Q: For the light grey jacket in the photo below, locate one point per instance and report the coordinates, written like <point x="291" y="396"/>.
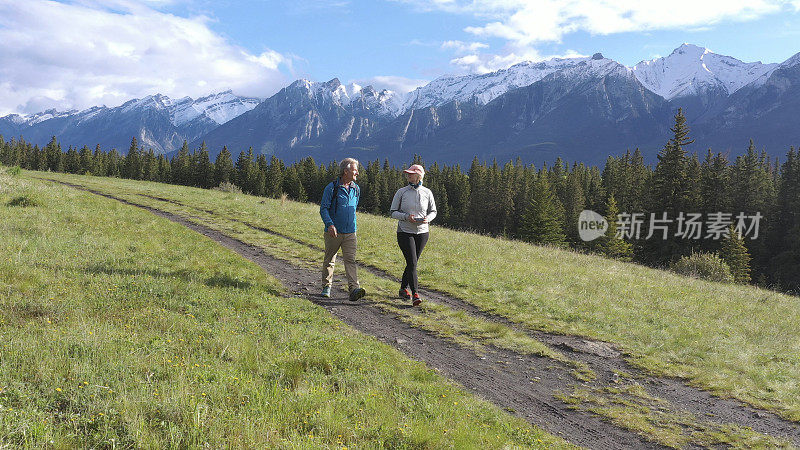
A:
<point x="418" y="202"/>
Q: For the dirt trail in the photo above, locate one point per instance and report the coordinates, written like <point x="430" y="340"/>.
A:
<point x="525" y="385"/>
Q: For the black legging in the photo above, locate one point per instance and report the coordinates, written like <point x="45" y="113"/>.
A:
<point x="411" y="244"/>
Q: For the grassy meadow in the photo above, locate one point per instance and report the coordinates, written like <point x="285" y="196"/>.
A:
<point x="735" y="340"/>
<point x="119" y="328"/>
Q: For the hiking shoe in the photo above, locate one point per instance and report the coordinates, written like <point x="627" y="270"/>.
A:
<point x="405" y="294"/>
<point x="357" y="293"/>
<point x="326" y="291"/>
<point x="416" y="300"/>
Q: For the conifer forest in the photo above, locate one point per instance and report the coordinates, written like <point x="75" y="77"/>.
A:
<point x="750" y="205"/>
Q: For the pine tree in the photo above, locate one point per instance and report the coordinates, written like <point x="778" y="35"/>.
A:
<point x="670" y="187"/>
<point x="670" y="194"/>
<point x="753" y="192"/>
<point x="223" y="167"/>
<point x="85" y="160"/>
<point x="694" y="186"/>
<point x="640" y="176"/>
<point x="274" y="181"/>
<point x="735" y="254"/>
<point x="204" y="170"/>
<point x="53" y="156"/>
<point x="714" y="182"/>
<point x="751" y="183"/>
<point x="784" y="233"/>
<point x="132" y="165"/>
<point x="181" y="166"/>
<point x="114" y="163"/>
<point x="611" y="245"/>
<point x="164" y="169"/>
<point x="477" y="200"/>
<point x="505" y="200"/>
<point x="72" y="161"/>
<point x="99" y="162"/>
<point x="292" y="185"/>
<point x="573" y="205"/>
<point x="150" y="166"/>
<point x="544" y="218"/>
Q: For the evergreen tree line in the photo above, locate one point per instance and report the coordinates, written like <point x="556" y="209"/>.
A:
<point x="518" y="201"/>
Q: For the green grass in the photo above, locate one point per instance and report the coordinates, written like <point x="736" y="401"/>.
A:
<point x="629" y="406"/>
<point x="738" y="341"/>
<point x="119" y="328"/>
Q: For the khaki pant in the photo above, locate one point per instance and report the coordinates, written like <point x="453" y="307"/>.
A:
<point x="347" y="241"/>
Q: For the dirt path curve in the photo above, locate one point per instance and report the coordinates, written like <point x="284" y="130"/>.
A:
<point x="522" y="384"/>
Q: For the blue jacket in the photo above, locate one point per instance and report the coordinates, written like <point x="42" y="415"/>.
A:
<point x="344" y="217"/>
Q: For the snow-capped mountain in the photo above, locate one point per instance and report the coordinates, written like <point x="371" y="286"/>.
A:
<point x="577" y="108"/>
<point x="157" y="121"/>
<point x="689" y="70"/>
<point x="305" y="115"/>
<point x="692" y="70"/>
<point x="485" y="88"/>
<point x="217" y="108"/>
<point x="385" y="102"/>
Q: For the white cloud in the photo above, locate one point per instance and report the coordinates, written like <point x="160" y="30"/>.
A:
<point x="400" y="85"/>
<point x="464" y="47"/>
<point x="76" y="55"/>
<point x="526" y="24"/>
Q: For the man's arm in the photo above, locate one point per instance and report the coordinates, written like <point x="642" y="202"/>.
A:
<point x="325" y="204"/>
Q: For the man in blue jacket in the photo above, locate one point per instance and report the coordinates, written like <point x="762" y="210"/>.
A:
<point x="338" y="212"/>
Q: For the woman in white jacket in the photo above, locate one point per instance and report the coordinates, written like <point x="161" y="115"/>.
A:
<point x="413" y="206"/>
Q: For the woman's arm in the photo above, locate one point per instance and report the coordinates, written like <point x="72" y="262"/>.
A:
<point x="396" y="212"/>
<point x="431" y="213"/>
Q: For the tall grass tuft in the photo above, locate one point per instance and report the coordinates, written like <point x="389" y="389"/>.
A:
<point x="227" y="186"/>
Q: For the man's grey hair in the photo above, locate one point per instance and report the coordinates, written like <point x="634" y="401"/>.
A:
<point x="345" y="164"/>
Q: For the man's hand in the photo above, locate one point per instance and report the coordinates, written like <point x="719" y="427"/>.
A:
<point x="412" y="219"/>
<point x="332" y="231"/>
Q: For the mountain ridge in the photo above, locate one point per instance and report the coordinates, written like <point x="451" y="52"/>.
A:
<point x="329" y="119"/>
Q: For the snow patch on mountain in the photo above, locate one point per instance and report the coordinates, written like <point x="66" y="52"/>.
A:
<point x="16" y="119"/>
<point x="691" y="70"/>
<point x="486" y="87"/>
<point x="33" y="119"/>
<point x="351" y="96"/>
<point x="793" y="61"/>
<point x="220" y="108"/>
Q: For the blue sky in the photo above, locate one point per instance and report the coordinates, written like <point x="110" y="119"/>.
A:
<point x="80" y="53"/>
